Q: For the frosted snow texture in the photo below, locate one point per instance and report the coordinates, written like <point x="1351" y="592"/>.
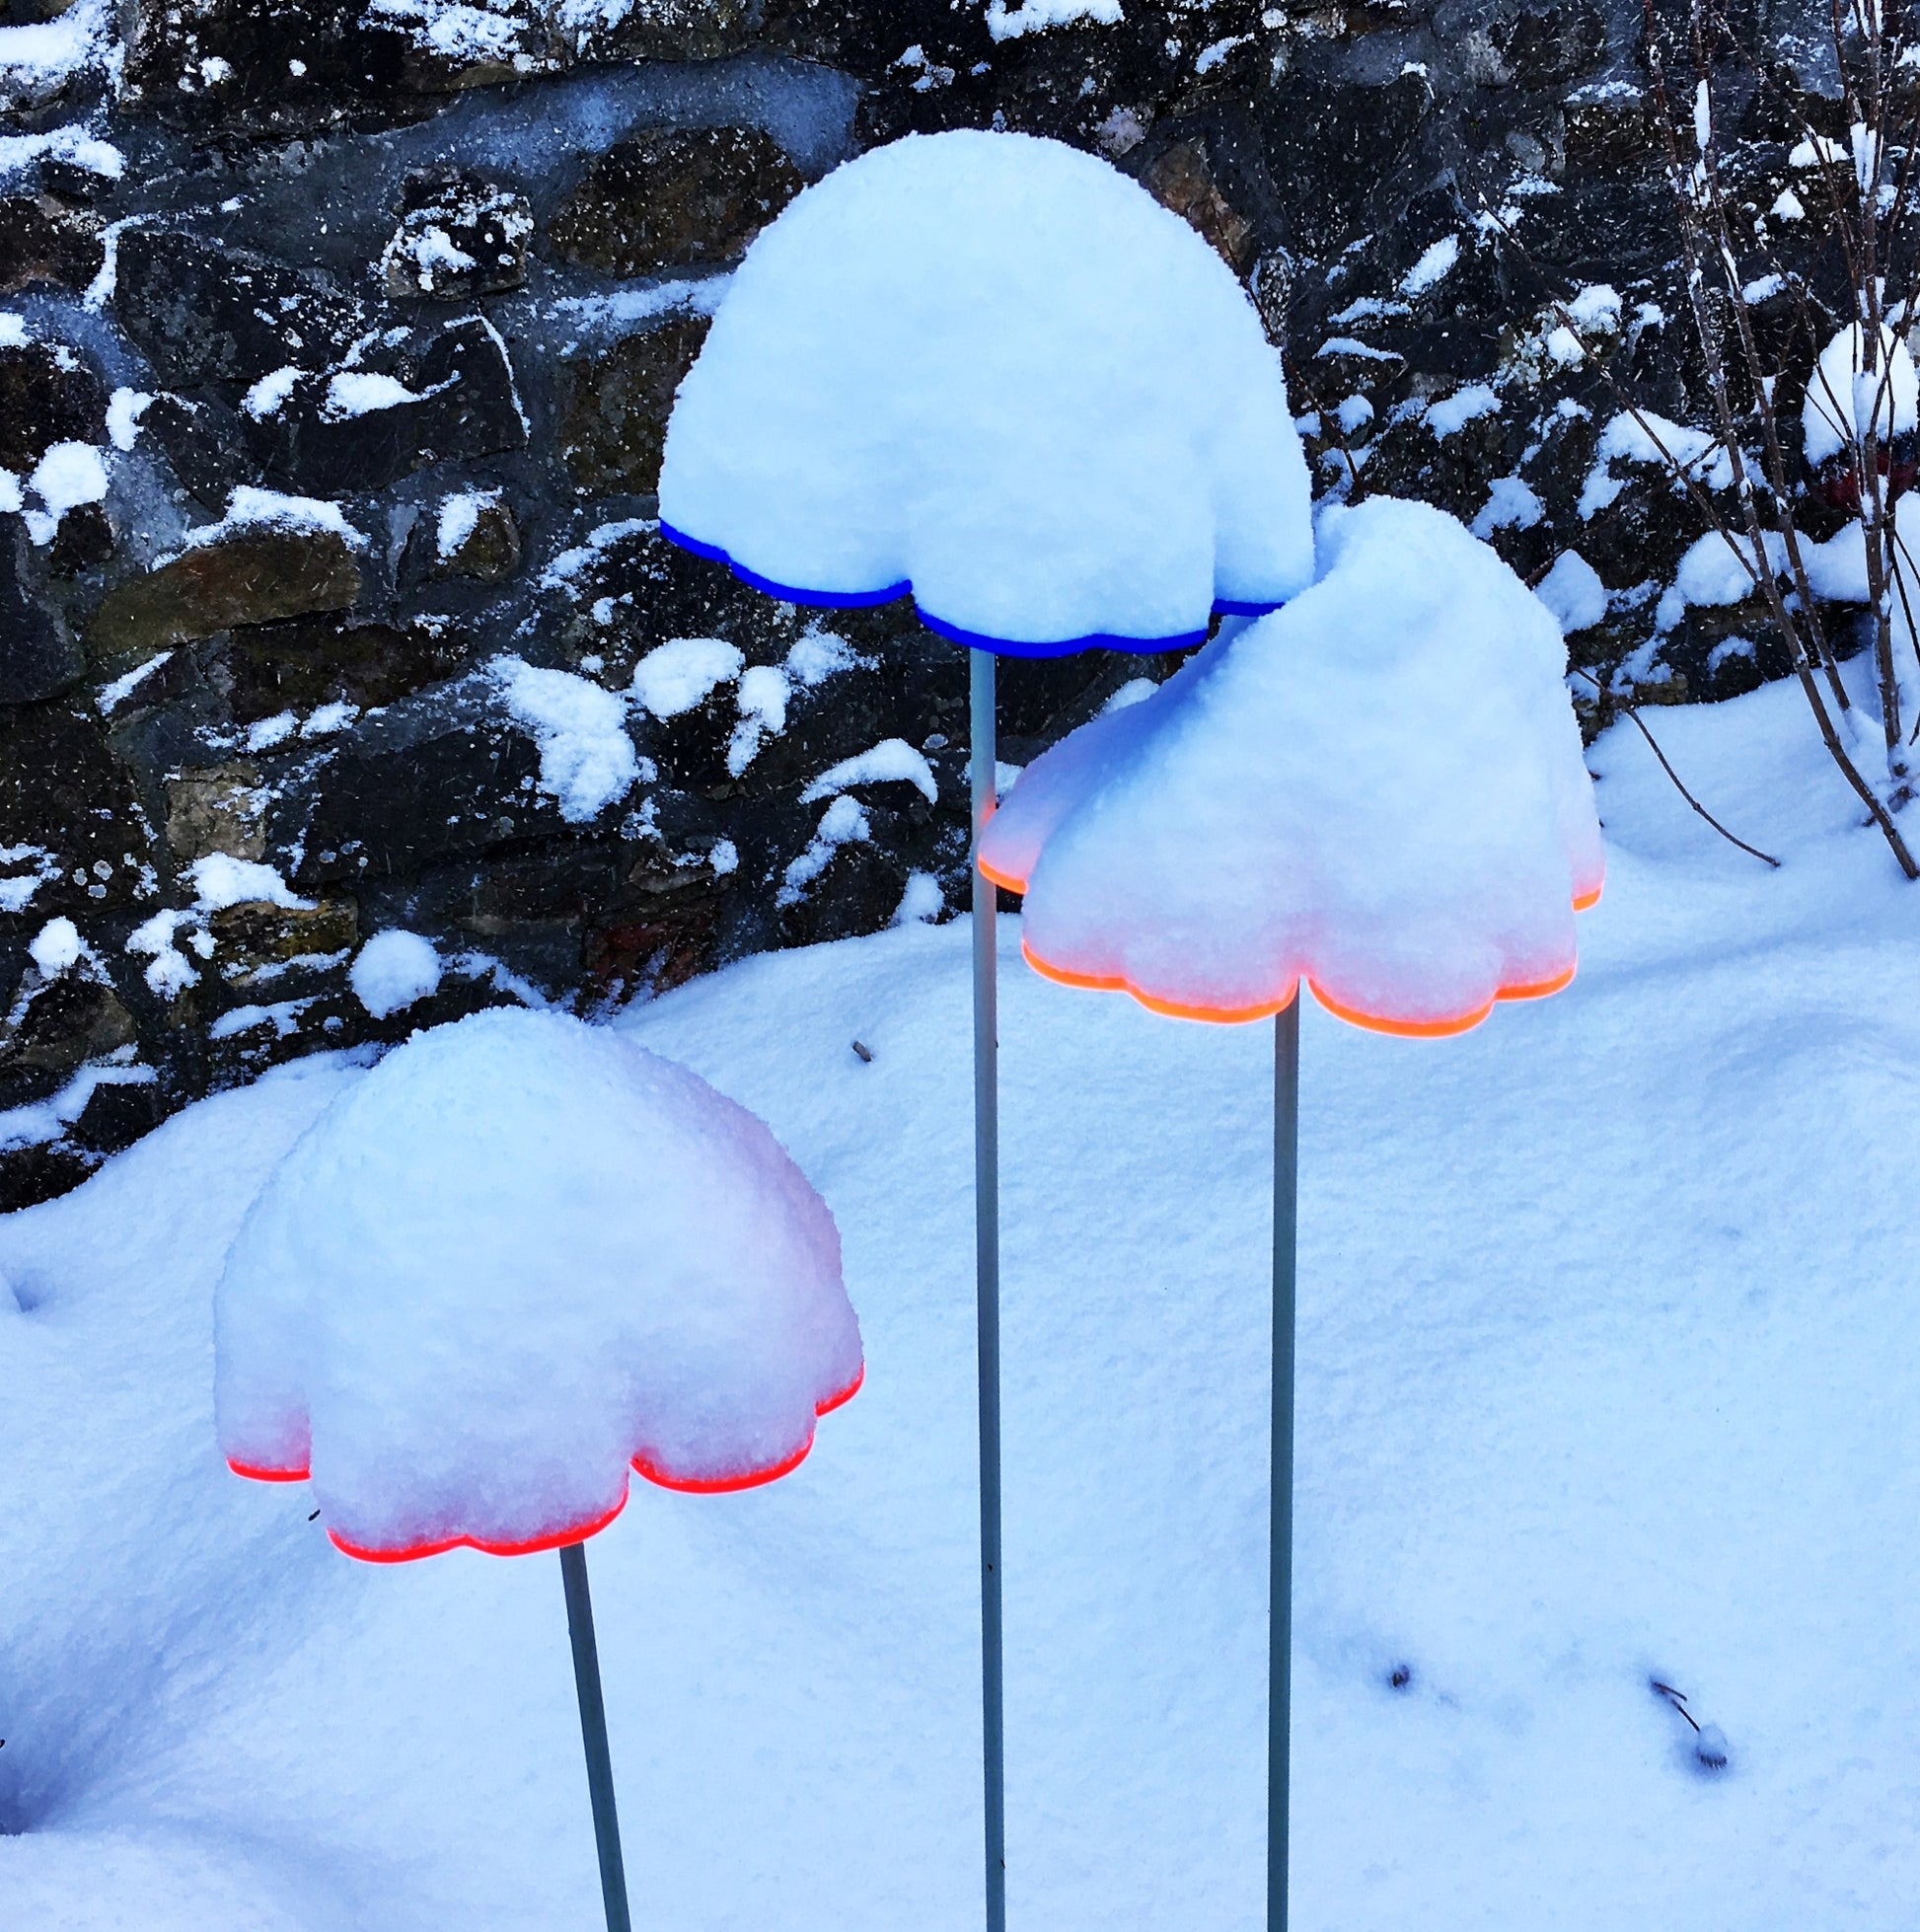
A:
<point x="1841" y="402"/>
<point x="1380" y="788"/>
<point x="993" y="371"/>
<point x="393" y="970"/>
<point x="523" y="1255"/>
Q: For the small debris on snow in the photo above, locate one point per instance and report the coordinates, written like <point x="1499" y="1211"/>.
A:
<point x="865" y="1052"/>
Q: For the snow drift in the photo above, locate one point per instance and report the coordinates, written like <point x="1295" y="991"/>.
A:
<point x="996" y="373"/>
<point x="521" y="1256"/>
<point x="1378" y="788"/>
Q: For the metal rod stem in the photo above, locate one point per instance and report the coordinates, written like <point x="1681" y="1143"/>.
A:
<point x="1279" y="1594"/>
<point x="593" y="1732"/>
<point x="987" y="1275"/>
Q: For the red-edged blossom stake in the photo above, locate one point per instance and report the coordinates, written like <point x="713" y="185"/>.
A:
<point x="520" y="1260"/>
<point x="992" y="374"/>
<point x="1377" y="791"/>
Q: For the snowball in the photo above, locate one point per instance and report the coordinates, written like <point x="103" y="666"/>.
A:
<point x="586" y="759"/>
<point x="995" y="372"/>
<point x="1572" y="591"/>
<point x="684" y="672"/>
<point x="518" y="1258"/>
<point x="393" y="970"/>
<point x="67" y="475"/>
<point x="1378" y="788"/>
<point x="1842" y="401"/>
<point x="56" y="948"/>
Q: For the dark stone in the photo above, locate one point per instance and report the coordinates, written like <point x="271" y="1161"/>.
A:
<point x="459" y="236"/>
<point x="203" y="444"/>
<point x="255" y="934"/>
<point x="441" y="776"/>
<point x="312" y="661"/>
<point x="464" y="405"/>
<point x="252" y="576"/>
<point x="191" y="63"/>
<point x="1331" y="148"/>
<point x="615" y="407"/>
<point x="47" y="396"/>
<point x="83" y="542"/>
<point x="64" y="1022"/>
<point x="39" y="657"/>
<point x="489" y="552"/>
<point x="43" y="240"/>
<point x="1550" y="40"/>
<point x="1180" y="177"/>
<point x="203" y="313"/>
<point x="65" y="796"/>
<point x="674" y="198"/>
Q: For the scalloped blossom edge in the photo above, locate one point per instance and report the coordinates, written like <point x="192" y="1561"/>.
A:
<point x="576" y="1532"/>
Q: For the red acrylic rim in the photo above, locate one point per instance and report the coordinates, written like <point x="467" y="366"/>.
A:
<point x="577" y="1533"/>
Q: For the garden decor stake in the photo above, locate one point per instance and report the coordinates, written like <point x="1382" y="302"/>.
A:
<point x="992" y="374"/>
<point x="415" y="1242"/>
<point x="1376" y="792"/>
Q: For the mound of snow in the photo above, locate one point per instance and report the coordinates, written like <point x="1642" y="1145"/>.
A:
<point x="393" y="971"/>
<point x="993" y="372"/>
<point x="521" y="1257"/>
<point x="1378" y="788"/>
<point x="1842" y="401"/>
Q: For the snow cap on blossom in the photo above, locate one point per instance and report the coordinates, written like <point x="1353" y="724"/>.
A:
<point x="1378" y="789"/>
<point x="520" y="1258"/>
<point x="993" y="372"/>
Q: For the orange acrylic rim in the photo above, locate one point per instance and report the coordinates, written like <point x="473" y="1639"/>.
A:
<point x="1413" y="1029"/>
<point x="574" y="1533"/>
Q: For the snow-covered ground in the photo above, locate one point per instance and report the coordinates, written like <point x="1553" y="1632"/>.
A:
<point x="1607" y="1372"/>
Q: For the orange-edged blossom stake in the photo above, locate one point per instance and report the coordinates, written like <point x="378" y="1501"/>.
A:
<point x="1377" y="791"/>
<point x="520" y="1259"/>
<point x="992" y="374"/>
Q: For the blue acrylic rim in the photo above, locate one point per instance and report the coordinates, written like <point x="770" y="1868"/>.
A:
<point x="853" y="600"/>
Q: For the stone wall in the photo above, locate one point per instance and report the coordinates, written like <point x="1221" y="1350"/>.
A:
<point x="337" y="344"/>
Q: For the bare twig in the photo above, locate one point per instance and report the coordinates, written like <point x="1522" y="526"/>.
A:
<point x="1666" y="765"/>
